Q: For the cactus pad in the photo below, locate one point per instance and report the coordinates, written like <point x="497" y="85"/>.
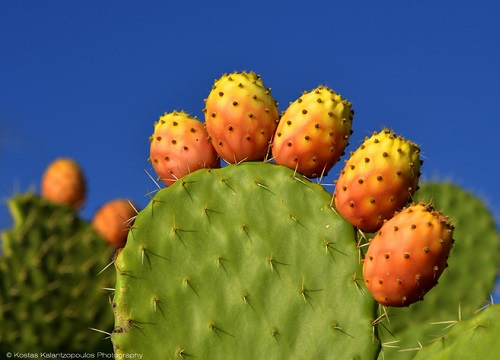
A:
<point x="476" y="338"/>
<point x="50" y="294"/>
<point x="248" y="261"/>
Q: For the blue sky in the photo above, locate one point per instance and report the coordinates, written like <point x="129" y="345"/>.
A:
<point x="87" y="79"/>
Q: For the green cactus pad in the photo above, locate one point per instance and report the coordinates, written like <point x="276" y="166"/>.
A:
<point x="464" y="287"/>
<point x="50" y="294"/>
<point x="244" y="262"/>
<point x="476" y="338"/>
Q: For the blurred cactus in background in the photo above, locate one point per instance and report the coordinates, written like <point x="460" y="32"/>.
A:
<point x="54" y="294"/>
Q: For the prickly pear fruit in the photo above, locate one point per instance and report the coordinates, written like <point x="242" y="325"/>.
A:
<point x="464" y="288"/>
<point x="408" y="255"/>
<point x="179" y="146"/>
<point x="63" y="182"/>
<point x="241" y="117"/>
<point x="379" y="179"/>
<point x="313" y="132"/>
<point x="113" y="220"/>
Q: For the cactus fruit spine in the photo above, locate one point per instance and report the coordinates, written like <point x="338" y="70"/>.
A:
<point x="247" y="261"/>
<point x="241" y="117"/>
<point x="179" y="145"/>
<point x="408" y="255"/>
<point x="379" y="178"/>
<point x="313" y="132"/>
<point x="63" y="182"/>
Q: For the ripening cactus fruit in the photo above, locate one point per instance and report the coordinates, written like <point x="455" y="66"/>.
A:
<point x="464" y="287"/>
<point x="408" y="255"/>
<point x="63" y="182"/>
<point x="113" y="220"/>
<point x="241" y="117"/>
<point x="243" y="262"/>
<point x="313" y="132"/>
<point x="378" y="179"/>
<point x="180" y="145"/>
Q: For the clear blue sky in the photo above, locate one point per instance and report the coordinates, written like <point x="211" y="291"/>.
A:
<point x="87" y="79"/>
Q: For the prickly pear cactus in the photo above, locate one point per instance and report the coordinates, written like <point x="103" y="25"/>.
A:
<point x="476" y="338"/>
<point x="464" y="286"/>
<point x="245" y="262"/>
<point x="50" y="293"/>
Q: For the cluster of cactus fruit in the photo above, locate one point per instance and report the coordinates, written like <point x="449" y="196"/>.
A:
<point x="253" y="258"/>
<point x="379" y="179"/>
<point x="52" y="289"/>
<point x="249" y="258"/>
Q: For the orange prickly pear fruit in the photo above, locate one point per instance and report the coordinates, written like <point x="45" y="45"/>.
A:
<point x="113" y="220"/>
<point x="63" y="182"/>
<point x="313" y="132"/>
<point x="241" y="117"/>
<point x="179" y="146"/>
<point x="408" y="255"/>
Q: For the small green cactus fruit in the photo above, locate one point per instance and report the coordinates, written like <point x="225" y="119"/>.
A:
<point x="476" y="338"/>
<point x="408" y="255"/>
<point x="50" y="292"/>
<point x="378" y="179"/>
<point x="313" y="132"/>
<point x="63" y="182"/>
<point x="180" y="145"/>
<point x="464" y="287"/>
<point x="241" y="117"/>
<point x="113" y="220"/>
<point x="244" y="262"/>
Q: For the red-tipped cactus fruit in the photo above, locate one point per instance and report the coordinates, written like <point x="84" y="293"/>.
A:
<point x="179" y="146"/>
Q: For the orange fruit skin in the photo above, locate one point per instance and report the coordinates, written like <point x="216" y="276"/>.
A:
<point x="63" y="182"/>
<point x="179" y="146"/>
<point x="408" y="255"/>
<point x="313" y="132"/>
<point x="378" y="179"/>
<point x="113" y="220"/>
<point x="241" y="117"/>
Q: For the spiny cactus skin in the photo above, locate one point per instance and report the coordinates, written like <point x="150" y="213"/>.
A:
<point x="241" y="117"/>
<point x="379" y="178"/>
<point x="313" y="132"/>
<point x="476" y="338"/>
<point x="408" y="255"/>
<point x="50" y="294"/>
<point x="63" y="182"/>
<point x="244" y="262"/>
<point x="464" y="287"/>
<point x="113" y="220"/>
<point x="180" y="145"/>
